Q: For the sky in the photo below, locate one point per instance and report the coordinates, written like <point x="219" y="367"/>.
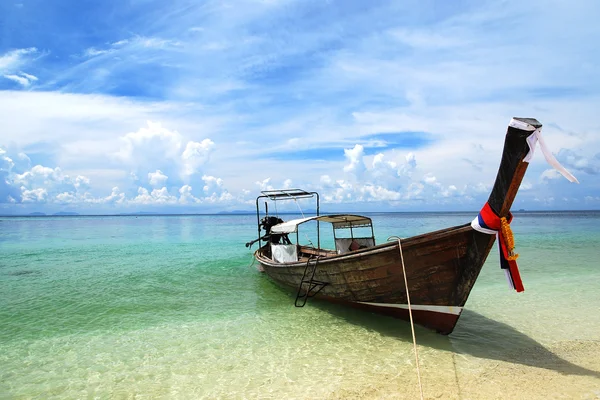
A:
<point x="196" y="106"/>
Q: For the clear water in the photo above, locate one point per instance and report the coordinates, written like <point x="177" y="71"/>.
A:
<point x="171" y="307"/>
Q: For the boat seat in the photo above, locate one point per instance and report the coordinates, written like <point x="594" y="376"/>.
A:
<point x="342" y="245"/>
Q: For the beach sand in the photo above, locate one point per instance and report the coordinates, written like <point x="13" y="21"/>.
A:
<point x="565" y="370"/>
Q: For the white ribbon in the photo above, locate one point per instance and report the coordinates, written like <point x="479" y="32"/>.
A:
<point x="535" y="137"/>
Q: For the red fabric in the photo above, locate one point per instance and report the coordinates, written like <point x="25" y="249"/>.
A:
<point x="493" y="221"/>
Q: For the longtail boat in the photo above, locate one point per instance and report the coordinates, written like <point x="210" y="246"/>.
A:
<point x="441" y="267"/>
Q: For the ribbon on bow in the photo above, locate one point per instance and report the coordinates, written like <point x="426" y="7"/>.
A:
<point x="489" y="222"/>
<point x="532" y="140"/>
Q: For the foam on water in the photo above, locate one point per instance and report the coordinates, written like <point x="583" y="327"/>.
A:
<point x="169" y="307"/>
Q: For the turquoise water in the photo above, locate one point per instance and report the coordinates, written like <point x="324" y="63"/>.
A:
<point x="172" y="307"/>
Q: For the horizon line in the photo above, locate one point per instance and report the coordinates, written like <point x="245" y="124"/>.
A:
<point x="226" y="213"/>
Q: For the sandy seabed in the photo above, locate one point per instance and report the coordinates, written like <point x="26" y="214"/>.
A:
<point x="566" y="370"/>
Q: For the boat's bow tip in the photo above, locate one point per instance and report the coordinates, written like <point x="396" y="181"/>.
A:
<point x="530" y="121"/>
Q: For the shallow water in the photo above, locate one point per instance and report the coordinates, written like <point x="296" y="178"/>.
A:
<point x="170" y="306"/>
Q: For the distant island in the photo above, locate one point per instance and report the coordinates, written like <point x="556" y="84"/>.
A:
<point x="37" y="214"/>
<point x="65" y="213"/>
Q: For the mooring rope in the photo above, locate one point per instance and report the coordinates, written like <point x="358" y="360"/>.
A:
<point x="412" y="325"/>
<point x="253" y="261"/>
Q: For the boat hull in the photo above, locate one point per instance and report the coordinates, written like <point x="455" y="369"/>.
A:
<point x="441" y="269"/>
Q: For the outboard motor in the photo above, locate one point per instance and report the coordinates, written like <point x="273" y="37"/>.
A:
<point x="267" y="223"/>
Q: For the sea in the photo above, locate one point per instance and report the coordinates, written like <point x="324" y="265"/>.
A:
<point x="157" y="307"/>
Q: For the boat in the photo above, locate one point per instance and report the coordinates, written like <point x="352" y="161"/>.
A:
<point x="440" y="268"/>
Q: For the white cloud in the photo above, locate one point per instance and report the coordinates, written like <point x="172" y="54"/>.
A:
<point x="195" y="155"/>
<point x="14" y="59"/>
<point x="325" y="180"/>
<point x="66" y="198"/>
<point x="38" y="195"/>
<point x="186" y="196"/>
<point x="6" y="163"/>
<point x="82" y="182"/>
<point x="550" y="174"/>
<point x="155" y="197"/>
<point x="355" y="156"/>
<point x="265" y="184"/>
<point x="212" y="184"/>
<point x="150" y="144"/>
<point x="156" y="146"/>
<point x="115" y="197"/>
<point x="157" y="178"/>
<point x="21" y="80"/>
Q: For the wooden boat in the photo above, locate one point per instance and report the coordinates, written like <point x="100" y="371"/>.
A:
<point x="441" y="267"/>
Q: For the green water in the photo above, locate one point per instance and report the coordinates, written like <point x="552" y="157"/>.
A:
<point x="171" y="307"/>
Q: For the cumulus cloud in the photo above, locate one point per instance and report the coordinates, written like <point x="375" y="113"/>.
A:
<point x="66" y="198"/>
<point x="389" y="177"/>
<point x="264" y="184"/>
<point x="6" y="163"/>
<point x="82" y="182"/>
<point x="115" y="197"/>
<point x="9" y="192"/>
<point x="45" y="185"/>
<point x="38" y="195"/>
<point x="155" y="197"/>
<point x="157" y="178"/>
<point x="20" y="183"/>
<point x="212" y="184"/>
<point x="195" y="155"/>
<point x="42" y="184"/>
<point x="156" y="148"/>
<point x="186" y="196"/>
<point x="150" y="144"/>
<point x="355" y="156"/>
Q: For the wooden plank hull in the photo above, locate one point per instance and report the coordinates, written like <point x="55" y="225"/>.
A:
<point x="441" y="269"/>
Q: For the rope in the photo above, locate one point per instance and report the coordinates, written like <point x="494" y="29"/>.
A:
<point x="253" y="261"/>
<point x="296" y="201"/>
<point x="301" y="212"/>
<point x="412" y="325"/>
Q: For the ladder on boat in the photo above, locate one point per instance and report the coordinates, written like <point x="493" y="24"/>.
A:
<point x="309" y="286"/>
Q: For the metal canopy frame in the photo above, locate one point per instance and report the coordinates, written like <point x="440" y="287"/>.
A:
<point x="288" y="194"/>
<point x="285" y="194"/>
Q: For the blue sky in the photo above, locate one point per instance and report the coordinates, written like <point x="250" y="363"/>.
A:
<point x="190" y="106"/>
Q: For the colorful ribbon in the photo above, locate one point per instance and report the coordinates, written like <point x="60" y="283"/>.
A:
<point x="489" y="222"/>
